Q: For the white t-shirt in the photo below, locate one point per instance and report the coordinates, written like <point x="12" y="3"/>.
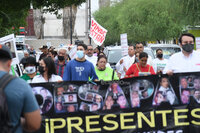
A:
<point x="40" y="79"/>
<point x="127" y="62"/>
<point x="180" y="63"/>
<point x="92" y="59"/>
<point x="159" y="64"/>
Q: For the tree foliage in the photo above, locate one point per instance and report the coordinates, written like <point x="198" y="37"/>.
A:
<point x="14" y="12"/>
<point x="143" y="20"/>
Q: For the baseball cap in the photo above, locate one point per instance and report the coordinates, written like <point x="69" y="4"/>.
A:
<point x="43" y="47"/>
<point x="5" y="52"/>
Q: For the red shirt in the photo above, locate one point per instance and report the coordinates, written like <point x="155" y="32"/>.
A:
<point x="134" y="70"/>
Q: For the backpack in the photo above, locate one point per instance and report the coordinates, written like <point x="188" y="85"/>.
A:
<point x="5" y="124"/>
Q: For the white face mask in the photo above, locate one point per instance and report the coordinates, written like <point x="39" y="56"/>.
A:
<point x="30" y="69"/>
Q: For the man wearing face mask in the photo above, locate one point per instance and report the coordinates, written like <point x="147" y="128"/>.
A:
<point x="188" y="60"/>
<point x="159" y="63"/>
<point x="61" y="62"/>
<point x="30" y="66"/>
<point x="80" y="69"/>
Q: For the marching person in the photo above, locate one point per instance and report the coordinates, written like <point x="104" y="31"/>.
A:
<point x="141" y="68"/>
<point x="30" y="67"/>
<point x="187" y="60"/>
<point x="159" y="63"/>
<point x="80" y="69"/>
<point x="89" y="55"/>
<point x="47" y="71"/>
<point x="124" y="64"/>
<point x="61" y="62"/>
<point x="23" y="108"/>
<point x="103" y="72"/>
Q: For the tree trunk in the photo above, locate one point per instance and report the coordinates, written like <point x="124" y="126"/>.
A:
<point x="66" y="21"/>
<point x="39" y="21"/>
<point x="104" y="3"/>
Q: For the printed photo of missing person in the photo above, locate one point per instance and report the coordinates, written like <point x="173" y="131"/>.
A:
<point x="72" y="107"/>
<point x="95" y="88"/>
<point x="115" y="89"/>
<point x="70" y="98"/>
<point x="185" y="96"/>
<point x="159" y="98"/>
<point x="122" y="102"/>
<point x="98" y="99"/>
<point x="94" y="107"/>
<point x="89" y="96"/>
<point x="167" y="91"/>
<point x="59" y="108"/>
<point x="108" y="103"/>
<point x="71" y="88"/>
<point x="46" y="98"/>
<point x="134" y="98"/>
<point x="84" y="107"/>
<point x="83" y="89"/>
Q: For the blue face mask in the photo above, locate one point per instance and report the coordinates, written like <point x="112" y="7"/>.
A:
<point x="80" y="54"/>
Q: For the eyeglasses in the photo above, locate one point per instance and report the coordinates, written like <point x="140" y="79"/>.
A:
<point x="89" y="49"/>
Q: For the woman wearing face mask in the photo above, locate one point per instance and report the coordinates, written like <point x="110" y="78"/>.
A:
<point x="47" y="72"/>
<point x="30" y="68"/>
<point x="141" y="68"/>
<point x="103" y="72"/>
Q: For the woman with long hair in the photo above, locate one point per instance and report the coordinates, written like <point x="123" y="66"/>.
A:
<point x="47" y="71"/>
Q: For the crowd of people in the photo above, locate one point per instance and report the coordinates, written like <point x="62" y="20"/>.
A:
<point x="91" y="65"/>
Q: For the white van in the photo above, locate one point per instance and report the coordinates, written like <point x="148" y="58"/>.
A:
<point x="168" y="49"/>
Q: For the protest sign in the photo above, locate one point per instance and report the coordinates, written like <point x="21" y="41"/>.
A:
<point x="9" y="41"/>
<point x="124" y="44"/>
<point x="140" y="105"/>
<point x="97" y="32"/>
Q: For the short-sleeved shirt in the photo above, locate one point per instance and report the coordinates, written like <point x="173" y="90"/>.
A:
<point x="20" y="100"/>
<point x="178" y="62"/>
<point x="79" y="71"/>
<point x="106" y="75"/>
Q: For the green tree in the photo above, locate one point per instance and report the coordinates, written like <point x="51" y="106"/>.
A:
<point x="14" y="12"/>
<point x="142" y="20"/>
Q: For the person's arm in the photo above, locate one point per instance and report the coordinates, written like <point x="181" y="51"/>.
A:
<point x="67" y="73"/>
<point x="152" y="70"/>
<point x="31" y="121"/>
<point x="93" y="74"/>
<point x="169" y="67"/>
<point x="129" y="72"/>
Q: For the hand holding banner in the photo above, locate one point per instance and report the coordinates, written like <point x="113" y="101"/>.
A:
<point x="97" y="32"/>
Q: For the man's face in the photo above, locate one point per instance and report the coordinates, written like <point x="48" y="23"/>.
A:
<point x="26" y="54"/>
<point x="81" y="49"/>
<point x="159" y="52"/>
<point x="184" y="83"/>
<point x="90" y="51"/>
<point x="197" y="83"/>
<point x="187" y="40"/>
<point x="60" y="91"/>
<point x="59" y="106"/>
<point x="63" y="52"/>
<point x="71" y="108"/>
<point x="197" y="94"/>
<point x="70" y="98"/>
<point x="139" y="47"/>
<point x="185" y="96"/>
<point x="131" y="51"/>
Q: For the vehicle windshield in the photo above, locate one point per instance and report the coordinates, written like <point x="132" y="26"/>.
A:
<point x="167" y="51"/>
<point x="114" y="55"/>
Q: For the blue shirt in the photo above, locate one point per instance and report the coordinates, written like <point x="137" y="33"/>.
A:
<point x="20" y="99"/>
<point x="79" y="71"/>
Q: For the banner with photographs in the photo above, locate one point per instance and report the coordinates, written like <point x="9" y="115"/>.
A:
<point x="156" y="104"/>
